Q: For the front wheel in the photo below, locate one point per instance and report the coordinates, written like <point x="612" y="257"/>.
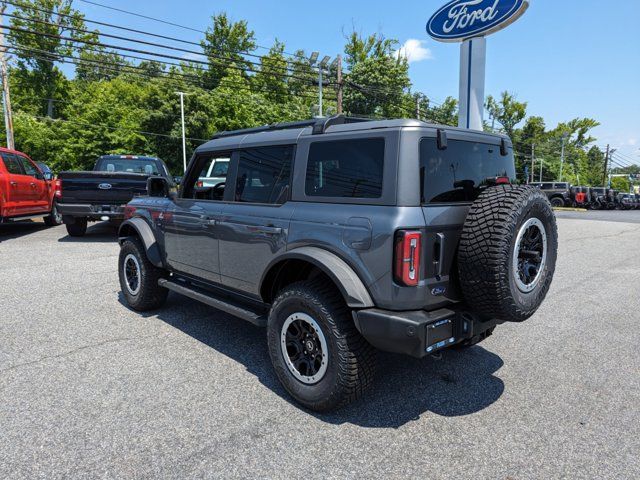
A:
<point x="318" y="355"/>
<point x="139" y="277"/>
<point x="557" y="202"/>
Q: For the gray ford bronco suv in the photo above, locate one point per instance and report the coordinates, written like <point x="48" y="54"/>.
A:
<point x="343" y="236"/>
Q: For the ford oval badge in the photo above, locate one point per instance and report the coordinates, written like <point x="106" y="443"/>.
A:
<point x="438" y="291"/>
<point x="104" y="186"/>
<point x="463" y="19"/>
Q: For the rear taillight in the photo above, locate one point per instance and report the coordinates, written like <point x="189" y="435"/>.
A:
<point x="406" y="269"/>
<point x="58" y="188"/>
<point x="129" y="211"/>
<point x="199" y="183"/>
<point x="503" y="180"/>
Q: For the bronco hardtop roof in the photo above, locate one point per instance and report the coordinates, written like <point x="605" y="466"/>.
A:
<point x="292" y="131"/>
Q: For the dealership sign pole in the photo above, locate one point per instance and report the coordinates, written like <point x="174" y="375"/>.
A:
<point x="469" y="22"/>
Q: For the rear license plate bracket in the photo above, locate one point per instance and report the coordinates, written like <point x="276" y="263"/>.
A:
<point x="439" y="335"/>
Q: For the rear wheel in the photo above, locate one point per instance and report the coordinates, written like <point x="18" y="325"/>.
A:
<point x="318" y="354"/>
<point x="508" y="251"/>
<point x="54" y="218"/>
<point x="139" y="277"/>
<point x="78" y="228"/>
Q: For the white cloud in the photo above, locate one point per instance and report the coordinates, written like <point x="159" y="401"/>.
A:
<point x="414" y="50"/>
<point x="632" y="142"/>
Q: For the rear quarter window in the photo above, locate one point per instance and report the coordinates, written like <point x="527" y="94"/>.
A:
<point x="346" y="168"/>
<point x="462" y="170"/>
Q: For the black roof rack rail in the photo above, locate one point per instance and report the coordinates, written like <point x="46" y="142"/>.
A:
<point x="319" y="125"/>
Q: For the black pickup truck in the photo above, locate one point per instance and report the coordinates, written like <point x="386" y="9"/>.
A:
<point x="102" y="194"/>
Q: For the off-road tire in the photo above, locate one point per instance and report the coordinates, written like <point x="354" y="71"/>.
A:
<point x="351" y="359"/>
<point x="150" y="295"/>
<point x="487" y="245"/>
<point x="557" y="202"/>
<point x="78" y="228"/>
<point x="54" y="218"/>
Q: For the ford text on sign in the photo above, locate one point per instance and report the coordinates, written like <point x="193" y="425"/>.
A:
<point x="462" y="19"/>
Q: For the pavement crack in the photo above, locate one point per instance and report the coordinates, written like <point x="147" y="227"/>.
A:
<point x="68" y="353"/>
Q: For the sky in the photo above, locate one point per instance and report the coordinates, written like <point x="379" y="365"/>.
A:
<point x="566" y="59"/>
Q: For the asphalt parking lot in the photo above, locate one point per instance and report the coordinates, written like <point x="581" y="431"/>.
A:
<point x="91" y="389"/>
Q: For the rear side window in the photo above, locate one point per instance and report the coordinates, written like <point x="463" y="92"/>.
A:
<point x="462" y="170"/>
<point x="346" y="168"/>
<point x="12" y="164"/>
<point x="264" y="175"/>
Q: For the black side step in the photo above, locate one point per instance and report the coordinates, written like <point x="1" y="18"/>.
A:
<point x="220" y="303"/>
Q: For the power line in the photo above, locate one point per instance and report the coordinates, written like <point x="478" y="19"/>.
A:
<point x="227" y="60"/>
<point x="128" y="29"/>
<point x="142" y="72"/>
<point x="166" y="22"/>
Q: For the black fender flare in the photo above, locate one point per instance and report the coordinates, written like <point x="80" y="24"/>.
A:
<point x="346" y="279"/>
<point x="144" y="232"/>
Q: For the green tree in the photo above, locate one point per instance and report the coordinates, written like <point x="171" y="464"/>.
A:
<point x="445" y="114"/>
<point x="507" y="111"/>
<point x="621" y="183"/>
<point x="378" y="83"/>
<point x="38" y="46"/>
<point x="225" y="44"/>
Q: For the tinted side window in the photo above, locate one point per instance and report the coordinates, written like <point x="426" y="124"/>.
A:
<point x="547" y="186"/>
<point x="346" y="168"/>
<point x="12" y="164"/>
<point x="462" y="170"/>
<point x="29" y="168"/>
<point x="264" y="175"/>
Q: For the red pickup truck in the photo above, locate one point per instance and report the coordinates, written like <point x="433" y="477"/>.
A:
<point x="25" y="191"/>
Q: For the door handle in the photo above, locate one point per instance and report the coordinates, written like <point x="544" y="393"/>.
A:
<point x="33" y="185"/>
<point x="13" y="184"/>
<point x="267" y="230"/>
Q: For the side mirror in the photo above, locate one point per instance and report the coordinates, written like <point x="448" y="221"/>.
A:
<point x="157" y="187"/>
<point x="48" y="176"/>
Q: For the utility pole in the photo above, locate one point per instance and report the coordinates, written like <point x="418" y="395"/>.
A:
<point x="184" y="139"/>
<point x="6" y="97"/>
<point x="541" y="164"/>
<point x="606" y="167"/>
<point x="320" y="107"/>
<point x="340" y="84"/>
<point x="564" y="138"/>
<point x="533" y="162"/>
<point x="418" y="106"/>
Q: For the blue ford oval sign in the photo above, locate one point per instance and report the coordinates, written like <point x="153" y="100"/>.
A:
<point x="462" y="19"/>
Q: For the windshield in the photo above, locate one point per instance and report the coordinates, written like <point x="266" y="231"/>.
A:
<point x="128" y="165"/>
<point x="458" y="173"/>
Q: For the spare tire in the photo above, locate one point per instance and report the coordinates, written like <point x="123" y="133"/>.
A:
<point x="508" y="250"/>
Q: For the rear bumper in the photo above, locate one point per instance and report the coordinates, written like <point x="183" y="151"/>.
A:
<point x="93" y="212"/>
<point x="409" y="332"/>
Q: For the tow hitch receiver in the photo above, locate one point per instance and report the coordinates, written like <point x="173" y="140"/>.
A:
<point x="439" y="335"/>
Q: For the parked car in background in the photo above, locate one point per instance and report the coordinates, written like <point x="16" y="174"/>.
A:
<point x="25" y="190"/>
<point x="103" y="193"/>
<point x="214" y="173"/>
<point x="342" y="236"/>
<point x="598" y="198"/>
<point x="558" y="193"/>
<point x="626" y="201"/>
<point x="580" y="196"/>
